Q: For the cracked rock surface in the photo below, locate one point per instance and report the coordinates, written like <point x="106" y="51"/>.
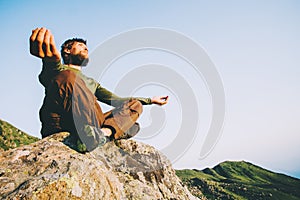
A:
<point x="125" y="169"/>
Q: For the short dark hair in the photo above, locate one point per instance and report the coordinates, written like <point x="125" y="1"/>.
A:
<point x="68" y="45"/>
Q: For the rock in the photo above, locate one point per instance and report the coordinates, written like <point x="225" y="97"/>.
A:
<point x="125" y="169"/>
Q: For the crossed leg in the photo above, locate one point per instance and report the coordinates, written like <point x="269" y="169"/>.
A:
<point x="122" y="120"/>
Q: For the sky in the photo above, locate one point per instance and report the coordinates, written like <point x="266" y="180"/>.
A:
<point x="253" y="45"/>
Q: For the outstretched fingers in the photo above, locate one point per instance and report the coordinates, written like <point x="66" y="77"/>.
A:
<point x="160" y="100"/>
<point x="164" y="100"/>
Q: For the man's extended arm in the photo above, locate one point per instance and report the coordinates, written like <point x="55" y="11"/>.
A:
<point x="42" y="45"/>
<point x="110" y="98"/>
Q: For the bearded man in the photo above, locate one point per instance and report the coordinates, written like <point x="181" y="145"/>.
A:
<point x="70" y="102"/>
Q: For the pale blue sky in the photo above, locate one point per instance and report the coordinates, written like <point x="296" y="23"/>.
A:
<point x="254" y="44"/>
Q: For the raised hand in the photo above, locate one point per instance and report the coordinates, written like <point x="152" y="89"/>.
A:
<point x="160" y="100"/>
<point x="42" y="45"/>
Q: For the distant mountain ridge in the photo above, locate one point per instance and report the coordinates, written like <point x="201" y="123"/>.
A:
<point x="240" y="180"/>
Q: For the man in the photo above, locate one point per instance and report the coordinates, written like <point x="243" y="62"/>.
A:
<point x="70" y="102"/>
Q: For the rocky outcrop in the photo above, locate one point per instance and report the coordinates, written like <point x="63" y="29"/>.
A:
<point x="126" y="169"/>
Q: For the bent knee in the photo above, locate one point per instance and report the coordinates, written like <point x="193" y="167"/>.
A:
<point x="136" y="106"/>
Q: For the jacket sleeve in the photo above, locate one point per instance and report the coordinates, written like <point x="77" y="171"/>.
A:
<point x="49" y="70"/>
<point x="110" y="98"/>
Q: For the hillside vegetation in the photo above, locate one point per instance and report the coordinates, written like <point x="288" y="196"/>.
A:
<point x="11" y="137"/>
<point x="240" y="180"/>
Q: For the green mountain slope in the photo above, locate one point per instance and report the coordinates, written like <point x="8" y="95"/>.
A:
<point x="11" y="137"/>
<point x="240" y="180"/>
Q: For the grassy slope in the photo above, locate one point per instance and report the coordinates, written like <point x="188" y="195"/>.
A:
<point x="11" y="137"/>
<point x="241" y="180"/>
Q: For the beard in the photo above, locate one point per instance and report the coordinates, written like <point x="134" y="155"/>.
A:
<point x="79" y="60"/>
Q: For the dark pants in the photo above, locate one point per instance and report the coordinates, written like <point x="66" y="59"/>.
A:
<point x="70" y="106"/>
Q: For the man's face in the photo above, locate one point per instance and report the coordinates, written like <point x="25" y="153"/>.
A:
<point x="79" y="54"/>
